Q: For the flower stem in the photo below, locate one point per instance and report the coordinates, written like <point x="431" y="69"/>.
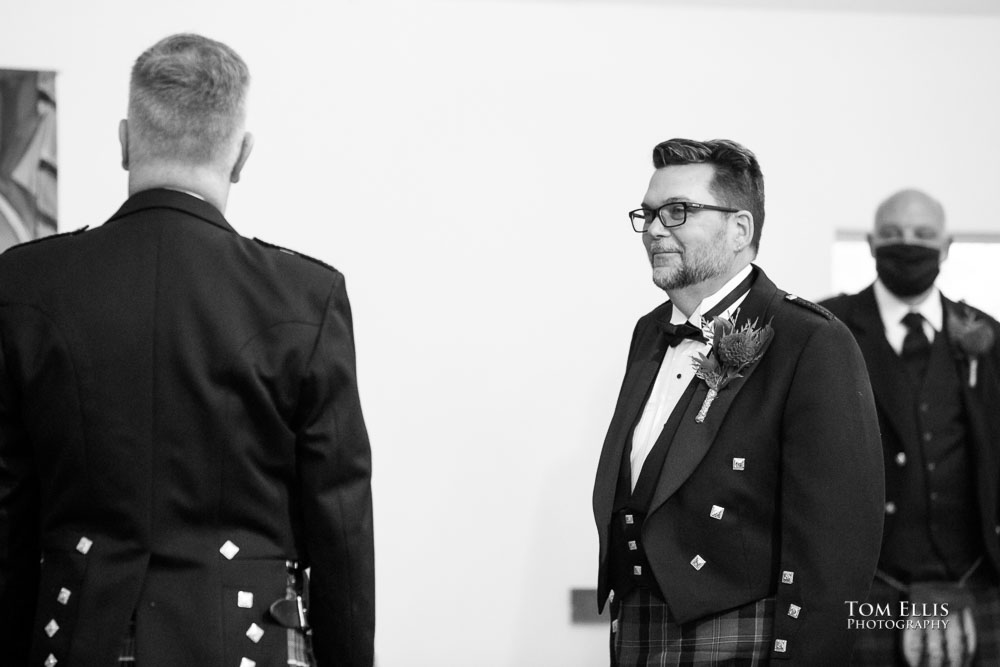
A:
<point x="973" y="371"/>
<point x="712" y="393"/>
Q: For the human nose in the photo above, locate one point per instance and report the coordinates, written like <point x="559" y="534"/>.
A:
<point x="657" y="228"/>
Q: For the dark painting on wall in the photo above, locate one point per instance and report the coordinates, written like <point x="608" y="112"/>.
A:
<point x="27" y="156"/>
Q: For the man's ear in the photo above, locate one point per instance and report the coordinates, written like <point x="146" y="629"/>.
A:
<point x="945" y="247"/>
<point x="123" y="140"/>
<point x="246" y="146"/>
<point x="744" y="229"/>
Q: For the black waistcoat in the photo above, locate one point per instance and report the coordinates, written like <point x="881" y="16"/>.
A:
<point x="936" y="533"/>
<point x="628" y="566"/>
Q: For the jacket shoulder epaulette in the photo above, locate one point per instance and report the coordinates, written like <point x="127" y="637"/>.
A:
<point x="809" y="305"/>
<point x="294" y="253"/>
<point x="49" y="238"/>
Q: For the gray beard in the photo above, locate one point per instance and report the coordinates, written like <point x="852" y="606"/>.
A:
<point x="686" y="276"/>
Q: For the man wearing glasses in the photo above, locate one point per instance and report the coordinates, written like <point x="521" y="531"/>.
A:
<point x="739" y="492"/>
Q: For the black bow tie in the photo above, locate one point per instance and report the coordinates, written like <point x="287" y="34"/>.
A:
<point x="675" y="333"/>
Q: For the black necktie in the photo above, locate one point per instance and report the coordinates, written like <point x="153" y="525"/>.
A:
<point x="916" y="348"/>
<point x="673" y="334"/>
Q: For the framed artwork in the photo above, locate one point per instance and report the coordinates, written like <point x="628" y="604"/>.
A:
<point x="28" y="203"/>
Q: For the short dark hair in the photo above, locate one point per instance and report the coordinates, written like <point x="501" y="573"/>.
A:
<point x="187" y="96"/>
<point x="738" y="181"/>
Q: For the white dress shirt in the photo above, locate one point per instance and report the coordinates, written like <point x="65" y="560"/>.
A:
<point x="893" y="310"/>
<point x="675" y="374"/>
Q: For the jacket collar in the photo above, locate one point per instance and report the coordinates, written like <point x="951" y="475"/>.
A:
<point x="173" y="200"/>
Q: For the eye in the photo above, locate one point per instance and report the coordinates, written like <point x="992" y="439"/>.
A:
<point x="890" y="232"/>
<point x="675" y="211"/>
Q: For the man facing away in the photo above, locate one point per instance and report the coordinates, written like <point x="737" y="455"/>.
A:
<point x="738" y="506"/>
<point x="935" y="372"/>
<point x="180" y="429"/>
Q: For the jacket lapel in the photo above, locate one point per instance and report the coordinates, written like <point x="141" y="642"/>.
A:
<point x="692" y="440"/>
<point x="976" y="404"/>
<point x="890" y="383"/>
<point x="639" y="378"/>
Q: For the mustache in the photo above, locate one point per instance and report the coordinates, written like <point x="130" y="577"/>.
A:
<point x="659" y="246"/>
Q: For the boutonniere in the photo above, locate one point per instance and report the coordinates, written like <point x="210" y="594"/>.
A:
<point x="733" y="349"/>
<point x="971" y="335"/>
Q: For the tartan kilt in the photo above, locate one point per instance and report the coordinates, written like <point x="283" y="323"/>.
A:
<point x="299" y="653"/>
<point x="644" y="634"/>
<point x="881" y="647"/>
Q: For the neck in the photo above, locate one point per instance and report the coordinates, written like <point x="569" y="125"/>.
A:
<point x="203" y="180"/>
<point x="686" y="299"/>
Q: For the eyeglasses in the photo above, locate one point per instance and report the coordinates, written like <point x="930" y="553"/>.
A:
<point x="671" y="214"/>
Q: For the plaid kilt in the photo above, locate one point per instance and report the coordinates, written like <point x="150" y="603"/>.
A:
<point x="881" y="647"/>
<point x="644" y="634"/>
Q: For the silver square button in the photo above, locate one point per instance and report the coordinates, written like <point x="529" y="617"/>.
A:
<point x="229" y="550"/>
<point x="255" y="632"/>
<point x="83" y="546"/>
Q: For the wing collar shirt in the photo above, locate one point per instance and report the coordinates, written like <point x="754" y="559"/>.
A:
<point x="676" y="372"/>
<point x="893" y="310"/>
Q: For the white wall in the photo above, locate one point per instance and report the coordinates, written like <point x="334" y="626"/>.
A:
<point x="468" y="166"/>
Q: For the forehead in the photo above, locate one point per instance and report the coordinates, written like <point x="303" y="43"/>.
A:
<point x="681" y="181"/>
<point x="910" y="212"/>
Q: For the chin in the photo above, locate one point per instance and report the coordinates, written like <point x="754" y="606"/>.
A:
<point x="667" y="279"/>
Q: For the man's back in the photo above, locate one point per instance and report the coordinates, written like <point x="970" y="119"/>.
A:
<point x="187" y="398"/>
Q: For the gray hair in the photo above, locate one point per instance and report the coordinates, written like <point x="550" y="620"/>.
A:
<point x="187" y="98"/>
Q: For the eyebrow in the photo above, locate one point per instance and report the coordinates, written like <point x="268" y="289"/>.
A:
<point x="668" y="200"/>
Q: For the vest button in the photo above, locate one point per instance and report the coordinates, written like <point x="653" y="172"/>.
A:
<point x="927" y="436"/>
<point x="931" y="466"/>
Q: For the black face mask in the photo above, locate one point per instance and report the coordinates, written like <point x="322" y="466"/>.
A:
<point x="907" y="270"/>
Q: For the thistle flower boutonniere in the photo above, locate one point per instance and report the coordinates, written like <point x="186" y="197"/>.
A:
<point x="733" y="349"/>
<point x="971" y="335"/>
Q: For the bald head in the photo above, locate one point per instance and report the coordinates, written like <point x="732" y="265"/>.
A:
<point x="909" y="244"/>
<point x="910" y="217"/>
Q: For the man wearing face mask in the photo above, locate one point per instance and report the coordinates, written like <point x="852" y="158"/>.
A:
<point x="935" y="372"/>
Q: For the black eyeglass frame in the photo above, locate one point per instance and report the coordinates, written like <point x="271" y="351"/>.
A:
<point x="638" y="218"/>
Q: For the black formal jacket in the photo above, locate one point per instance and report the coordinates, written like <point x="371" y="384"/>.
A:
<point x="170" y="390"/>
<point x="808" y="500"/>
<point x="891" y="388"/>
